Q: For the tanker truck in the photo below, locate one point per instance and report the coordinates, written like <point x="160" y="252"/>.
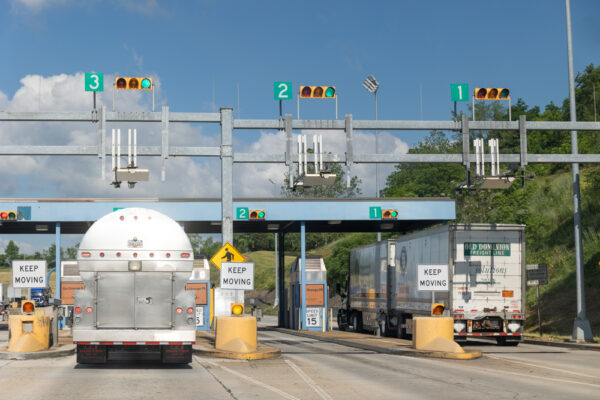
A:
<point x="473" y="273"/>
<point x="134" y="264"/>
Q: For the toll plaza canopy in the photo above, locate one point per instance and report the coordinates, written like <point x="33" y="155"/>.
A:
<point x="75" y="216"/>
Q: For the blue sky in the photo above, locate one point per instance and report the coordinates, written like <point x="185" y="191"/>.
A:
<point x="201" y="54"/>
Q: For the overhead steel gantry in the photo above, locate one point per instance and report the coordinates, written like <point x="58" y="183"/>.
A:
<point x="348" y="125"/>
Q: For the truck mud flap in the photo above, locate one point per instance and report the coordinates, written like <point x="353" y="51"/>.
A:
<point x="91" y="354"/>
<point x="176" y="354"/>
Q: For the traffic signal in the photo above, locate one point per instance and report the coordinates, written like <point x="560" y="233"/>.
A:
<point x="8" y="215"/>
<point x="437" y="308"/>
<point x="237" y="308"/>
<point x="28" y="307"/>
<point x="389" y="214"/>
<point x="318" y="92"/>
<point x="492" y="94"/>
<point x="133" y="83"/>
<point x="257" y="214"/>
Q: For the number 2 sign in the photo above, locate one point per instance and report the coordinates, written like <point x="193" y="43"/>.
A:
<point x="283" y="90"/>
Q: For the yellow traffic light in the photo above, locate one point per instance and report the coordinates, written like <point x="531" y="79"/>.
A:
<point x="437" y="308"/>
<point x="237" y="308"/>
<point x="492" y="94"/>
<point x="8" y="215"/>
<point x="389" y="214"/>
<point x="133" y="83"/>
<point x="28" y="307"/>
<point x="318" y="92"/>
<point x="257" y="214"/>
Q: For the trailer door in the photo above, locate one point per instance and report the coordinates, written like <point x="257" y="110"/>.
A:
<point x="115" y="303"/>
<point x="153" y="297"/>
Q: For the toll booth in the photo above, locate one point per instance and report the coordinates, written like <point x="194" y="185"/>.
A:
<point x="70" y="281"/>
<point x="200" y="283"/>
<point x="316" y="295"/>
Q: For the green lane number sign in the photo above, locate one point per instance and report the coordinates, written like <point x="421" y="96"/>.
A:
<point x="283" y="90"/>
<point x="94" y="82"/>
<point x="459" y="91"/>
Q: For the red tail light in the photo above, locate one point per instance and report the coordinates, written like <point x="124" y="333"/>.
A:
<point x="77" y="310"/>
<point x="179" y="310"/>
<point x="85" y="254"/>
<point x="190" y="310"/>
<point x="185" y="255"/>
<point x="89" y="309"/>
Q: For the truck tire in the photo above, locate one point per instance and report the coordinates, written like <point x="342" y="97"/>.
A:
<point x="357" y="322"/>
<point x="341" y="326"/>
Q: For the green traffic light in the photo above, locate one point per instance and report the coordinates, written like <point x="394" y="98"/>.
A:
<point x="261" y="214"/>
<point x="146" y="83"/>
<point x="330" y="92"/>
<point x="504" y="93"/>
<point x="394" y="214"/>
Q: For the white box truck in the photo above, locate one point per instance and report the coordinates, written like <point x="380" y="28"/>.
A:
<point x="474" y="273"/>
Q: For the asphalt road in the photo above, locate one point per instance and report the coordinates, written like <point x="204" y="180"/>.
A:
<point x="309" y="369"/>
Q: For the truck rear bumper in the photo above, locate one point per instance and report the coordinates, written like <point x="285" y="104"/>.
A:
<point x="495" y="334"/>
<point x="133" y="337"/>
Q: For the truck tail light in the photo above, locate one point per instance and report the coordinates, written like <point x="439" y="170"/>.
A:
<point x="178" y="310"/>
<point x="185" y="255"/>
<point x="77" y="310"/>
<point x="85" y="254"/>
<point x="190" y="310"/>
<point x="89" y="309"/>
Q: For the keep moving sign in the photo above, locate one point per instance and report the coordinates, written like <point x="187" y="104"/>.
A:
<point x="237" y="275"/>
<point x="433" y="277"/>
<point x="29" y="273"/>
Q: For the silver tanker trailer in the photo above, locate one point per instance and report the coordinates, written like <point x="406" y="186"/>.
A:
<point x="135" y="264"/>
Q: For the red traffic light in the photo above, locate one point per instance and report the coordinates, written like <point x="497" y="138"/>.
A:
<point x="8" y="215"/>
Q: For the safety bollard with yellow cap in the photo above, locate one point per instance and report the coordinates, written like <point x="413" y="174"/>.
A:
<point x="28" y="332"/>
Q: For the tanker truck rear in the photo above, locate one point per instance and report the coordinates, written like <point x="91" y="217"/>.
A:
<point x="135" y="264"/>
<point x="484" y="291"/>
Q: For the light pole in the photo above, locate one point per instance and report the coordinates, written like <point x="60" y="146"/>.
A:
<point x="582" y="330"/>
<point x="372" y="85"/>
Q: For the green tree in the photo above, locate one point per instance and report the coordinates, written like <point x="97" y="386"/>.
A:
<point x="427" y="179"/>
<point x="11" y="251"/>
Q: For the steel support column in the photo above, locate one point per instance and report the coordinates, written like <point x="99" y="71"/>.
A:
<point x="227" y="175"/>
<point x="303" y="274"/>
<point x="281" y="277"/>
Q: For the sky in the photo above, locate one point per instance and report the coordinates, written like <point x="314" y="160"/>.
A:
<point x="205" y="55"/>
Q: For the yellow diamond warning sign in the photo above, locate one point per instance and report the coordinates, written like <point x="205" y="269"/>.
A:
<point x="227" y="253"/>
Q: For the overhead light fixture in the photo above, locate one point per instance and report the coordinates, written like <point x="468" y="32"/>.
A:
<point x="334" y="222"/>
<point x="215" y="223"/>
<point x="386" y="226"/>
<point x="272" y="227"/>
<point x="41" y="228"/>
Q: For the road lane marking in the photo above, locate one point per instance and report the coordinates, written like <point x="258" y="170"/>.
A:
<point x="254" y="381"/>
<point x="322" y="393"/>
<point x="562" y="371"/>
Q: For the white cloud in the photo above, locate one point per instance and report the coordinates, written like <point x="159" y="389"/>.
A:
<point x="36" y="5"/>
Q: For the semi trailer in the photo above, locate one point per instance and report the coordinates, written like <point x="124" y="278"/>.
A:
<point x="474" y="273"/>
<point x="134" y="264"/>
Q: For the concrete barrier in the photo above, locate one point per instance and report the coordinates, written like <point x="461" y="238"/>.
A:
<point x="237" y="334"/>
<point x="28" y="333"/>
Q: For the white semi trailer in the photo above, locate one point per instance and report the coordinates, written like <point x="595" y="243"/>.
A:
<point x="485" y="284"/>
<point x="134" y="264"/>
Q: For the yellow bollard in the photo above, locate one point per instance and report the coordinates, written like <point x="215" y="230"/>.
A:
<point x="237" y="334"/>
<point x="28" y="333"/>
<point x="435" y="334"/>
